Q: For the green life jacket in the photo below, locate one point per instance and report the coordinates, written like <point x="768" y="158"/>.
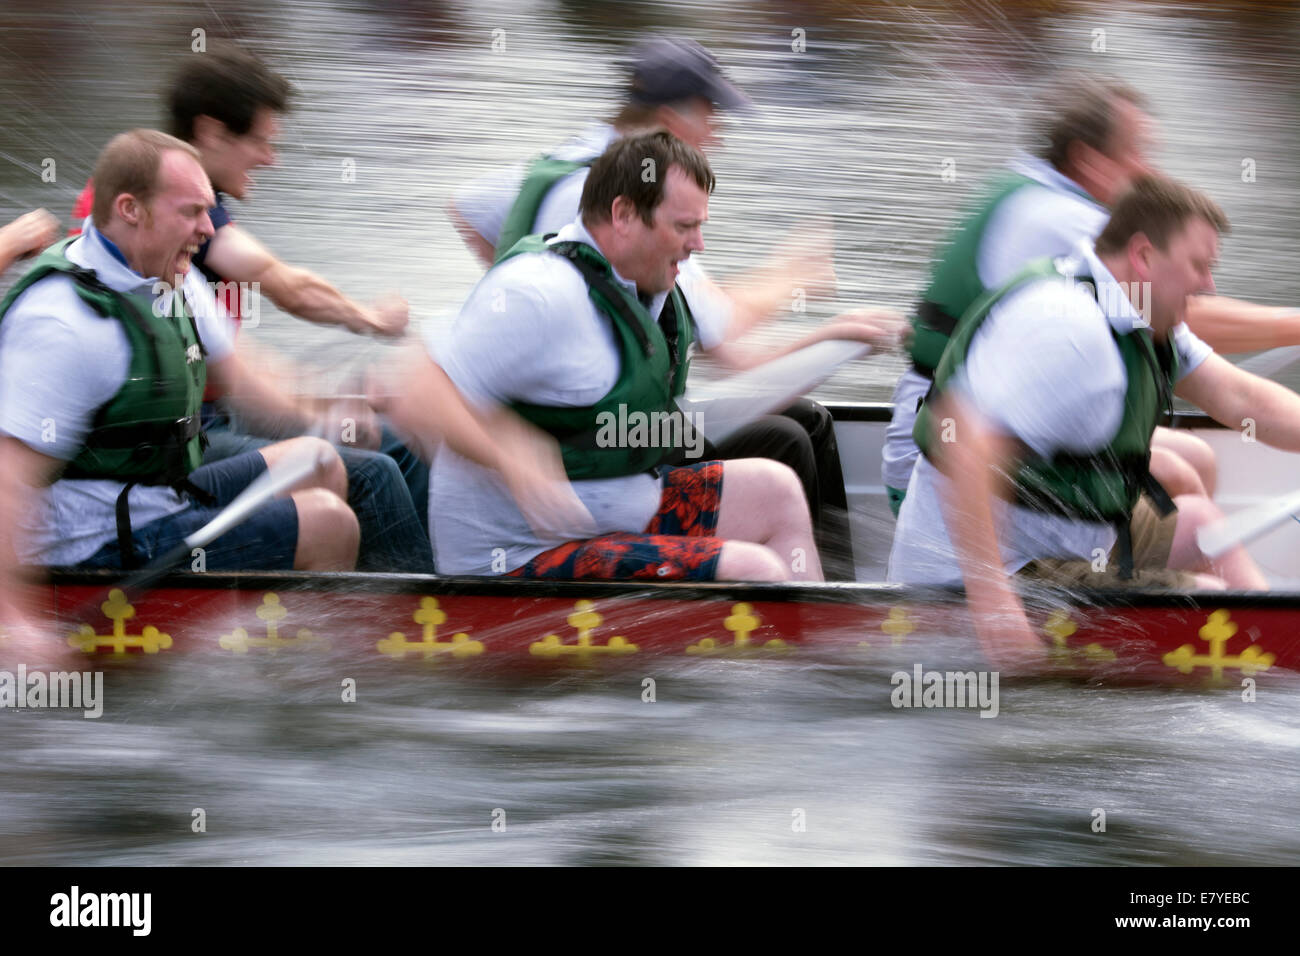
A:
<point x="1103" y="486"/>
<point x="652" y="374"/>
<point x="149" y="432"/>
<point x="543" y="173"/>
<point x="954" y="281"/>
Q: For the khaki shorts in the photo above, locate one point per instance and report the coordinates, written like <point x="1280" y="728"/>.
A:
<point x="1153" y="539"/>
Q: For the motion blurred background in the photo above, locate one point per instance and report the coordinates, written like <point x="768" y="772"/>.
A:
<point x="858" y="106"/>
<point x="857" y="126"/>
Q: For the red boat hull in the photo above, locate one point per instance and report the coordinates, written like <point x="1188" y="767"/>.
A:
<point x="1220" y="638"/>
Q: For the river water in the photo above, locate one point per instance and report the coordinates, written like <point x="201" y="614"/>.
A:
<point x="857" y="124"/>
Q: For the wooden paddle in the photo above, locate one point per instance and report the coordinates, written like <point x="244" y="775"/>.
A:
<point x="747" y="396"/>
<point x="1219" y="537"/>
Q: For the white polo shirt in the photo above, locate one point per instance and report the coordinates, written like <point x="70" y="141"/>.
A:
<point x="60" y="361"/>
<point x="1042" y="368"/>
<point x="486" y="202"/>
<point x="529" y="332"/>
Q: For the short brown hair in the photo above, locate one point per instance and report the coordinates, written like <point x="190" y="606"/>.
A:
<point x="227" y="83"/>
<point x="1158" y="208"/>
<point x="129" y="164"/>
<point x="621" y="171"/>
<point x="1082" y="109"/>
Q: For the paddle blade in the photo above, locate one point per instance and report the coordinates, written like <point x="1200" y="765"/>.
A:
<point x="722" y="407"/>
<point x="281" y="476"/>
<point x="1220" y="537"/>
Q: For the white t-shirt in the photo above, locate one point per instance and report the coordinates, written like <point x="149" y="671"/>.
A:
<point x="486" y="202"/>
<point x="1047" y="219"/>
<point x="529" y="332"/>
<point x="1042" y="368"/>
<point x="59" y="362"/>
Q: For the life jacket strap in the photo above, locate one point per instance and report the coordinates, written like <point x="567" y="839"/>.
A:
<point x="599" y="280"/>
<point x="125" y="534"/>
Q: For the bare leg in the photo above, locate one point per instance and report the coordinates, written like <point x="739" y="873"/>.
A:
<point x="1175" y="474"/>
<point x="763" y="503"/>
<point x="328" y="532"/>
<point x="1196" y="452"/>
<point x="1236" y="568"/>
<point x="743" y="561"/>
<point x="331" y="475"/>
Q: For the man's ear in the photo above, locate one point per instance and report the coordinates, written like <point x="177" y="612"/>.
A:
<point x="129" y="209"/>
<point x="1140" y="251"/>
<point x="208" y="132"/>
<point x="622" y="212"/>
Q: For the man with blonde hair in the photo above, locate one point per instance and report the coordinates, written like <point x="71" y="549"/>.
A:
<point x="103" y="362"/>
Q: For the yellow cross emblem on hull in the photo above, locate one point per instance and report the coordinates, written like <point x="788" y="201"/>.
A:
<point x="1218" y="630"/>
<point x="116" y="609"/>
<point x="272" y="612"/>
<point x="429" y="617"/>
<point x="741" y="623"/>
<point x="584" y="620"/>
<point x="1060" y="626"/>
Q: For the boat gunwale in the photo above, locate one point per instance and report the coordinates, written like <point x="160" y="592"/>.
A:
<point x="867" y="593"/>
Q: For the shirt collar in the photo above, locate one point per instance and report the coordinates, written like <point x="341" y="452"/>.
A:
<point x="1111" y="296"/>
<point x="97" y="252"/>
<point x="1045" y="174"/>
<point x="100" y="254"/>
<point x="576" y="231"/>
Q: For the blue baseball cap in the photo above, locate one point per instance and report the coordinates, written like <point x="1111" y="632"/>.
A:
<point x="671" y="69"/>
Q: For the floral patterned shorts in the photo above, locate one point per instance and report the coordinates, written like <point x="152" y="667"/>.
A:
<point x="679" y="544"/>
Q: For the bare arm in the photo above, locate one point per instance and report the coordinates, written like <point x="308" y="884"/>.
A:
<point x="974" y="464"/>
<point x="249" y="379"/>
<point x="22" y="470"/>
<point x="876" y="327"/>
<point x="482" y="249"/>
<point x="431" y="408"/>
<point x="239" y="257"/>
<point x="267" y="410"/>
<point x="1235" y="398"/>
<point x="1231" y="325"/>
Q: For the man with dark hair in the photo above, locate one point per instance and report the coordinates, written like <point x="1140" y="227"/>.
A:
<point x="678" y="86"/>
<point x="586" y="336"/>
<point x="102" y="369"/>
<point x="226" y="103"/>
<point x="1094" y="141"/>
<point x="1036" y="441"/>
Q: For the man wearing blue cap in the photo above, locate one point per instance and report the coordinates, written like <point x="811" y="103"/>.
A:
<point x="677" y="85"/>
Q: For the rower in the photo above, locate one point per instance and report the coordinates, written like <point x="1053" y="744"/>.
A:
<point x="1067" y="409"/>
<point x="1095" y="142"/>
<point x="102" y="369"/>
<point x="227" y="104"/>
<point x="567" y="328"/>
<point x="677" y="85"/>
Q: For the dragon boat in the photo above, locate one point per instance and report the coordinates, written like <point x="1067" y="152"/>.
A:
<point x="467" y="622"/>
